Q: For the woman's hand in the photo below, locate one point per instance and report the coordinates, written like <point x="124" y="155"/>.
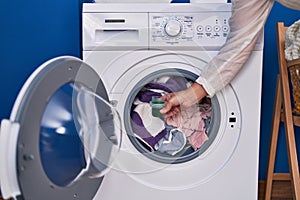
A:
<point x="185" y="98"/>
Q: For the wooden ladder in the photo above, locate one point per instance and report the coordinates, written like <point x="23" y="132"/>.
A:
<point x="283" y="113"/>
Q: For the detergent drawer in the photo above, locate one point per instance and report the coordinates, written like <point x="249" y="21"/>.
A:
<point x="115" y="31"/>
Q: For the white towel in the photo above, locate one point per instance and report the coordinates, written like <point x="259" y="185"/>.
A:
<point x="292" y="42"/>
<point x="153" y="125"/>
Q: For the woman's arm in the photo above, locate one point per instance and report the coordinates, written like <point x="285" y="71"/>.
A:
<point x="246" y="24"/>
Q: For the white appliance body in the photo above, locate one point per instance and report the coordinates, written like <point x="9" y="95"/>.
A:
<point x="130" y="44"/>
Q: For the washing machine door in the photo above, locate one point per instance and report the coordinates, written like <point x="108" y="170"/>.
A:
<point x="62" y="136"/>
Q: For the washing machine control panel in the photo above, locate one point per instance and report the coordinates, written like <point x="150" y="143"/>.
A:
<point x="192" y="29"/>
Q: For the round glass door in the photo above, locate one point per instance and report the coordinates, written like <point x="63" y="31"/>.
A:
<point x="69" y="134"/>
<point x="80" y="135"/>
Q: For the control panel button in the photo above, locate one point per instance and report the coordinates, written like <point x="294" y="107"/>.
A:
<point x="225" y="28"/>
<point x="173" y="28"/>
<point x="200" y="28"/>
<point x="217" y="28"/>
<point x="208" y="28"/>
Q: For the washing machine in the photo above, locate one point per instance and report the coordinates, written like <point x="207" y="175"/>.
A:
<point x="73" y="133"/>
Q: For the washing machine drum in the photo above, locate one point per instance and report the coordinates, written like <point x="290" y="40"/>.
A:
<point x="62" y="136"/>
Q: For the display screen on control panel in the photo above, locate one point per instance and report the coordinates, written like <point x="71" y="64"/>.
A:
<point x="196" y="30"/>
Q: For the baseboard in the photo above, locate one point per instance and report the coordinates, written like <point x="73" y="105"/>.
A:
<point x="281" y="189"/>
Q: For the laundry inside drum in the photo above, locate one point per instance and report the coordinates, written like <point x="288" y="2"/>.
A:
<point x="177" y="139"/>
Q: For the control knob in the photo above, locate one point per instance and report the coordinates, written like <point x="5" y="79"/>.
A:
<point x="173" y="28"/>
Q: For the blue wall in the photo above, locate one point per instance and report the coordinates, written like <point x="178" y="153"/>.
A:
<point x="32" y="32"/>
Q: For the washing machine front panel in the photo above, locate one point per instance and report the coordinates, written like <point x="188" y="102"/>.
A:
<point x="48" y="152"/>
<point x="182" y="39"/>
<point x="159" y="172"/>
<point x="240" y="165"/>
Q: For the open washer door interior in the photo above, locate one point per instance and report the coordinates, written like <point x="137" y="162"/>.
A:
<point x="62" y="136"/>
